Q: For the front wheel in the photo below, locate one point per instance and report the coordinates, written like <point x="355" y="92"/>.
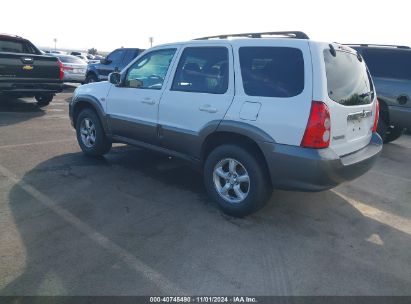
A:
<point x="90" y="134"/>
<point x="236" y="180"/>
<point x="43" y="99"/>
<point x="91" y="78"/>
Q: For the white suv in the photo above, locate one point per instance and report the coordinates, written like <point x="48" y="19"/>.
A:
<point x="254" y="111"/>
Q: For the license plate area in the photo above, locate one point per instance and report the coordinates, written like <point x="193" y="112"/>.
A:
<point x="358" y="124"/>
<point x="78" y="71"/>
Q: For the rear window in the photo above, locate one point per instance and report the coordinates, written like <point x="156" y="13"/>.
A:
<point x="272" y="71"/>
<point x="348" y="80"/>
<point x="67" y="59"/>
<point x="16" y="46"/>
<point x="389" y="64"/>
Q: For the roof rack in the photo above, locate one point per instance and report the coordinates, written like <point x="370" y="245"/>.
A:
<point x="383" y="45"/>
<point x="286" y="34"/>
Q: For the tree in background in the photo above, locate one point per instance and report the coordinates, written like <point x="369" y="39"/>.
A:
<point x="92" y="51"/>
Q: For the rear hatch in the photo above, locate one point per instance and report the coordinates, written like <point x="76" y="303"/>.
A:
<point x="350" y="98"/>
<point x="20" y="61"/>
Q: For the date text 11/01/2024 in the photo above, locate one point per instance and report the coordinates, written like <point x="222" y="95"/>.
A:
<point x="203" y="300"/>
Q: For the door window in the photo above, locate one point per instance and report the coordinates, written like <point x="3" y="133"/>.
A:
<point x="150" y="70"/>
<point x="389" y="64"/>
<point x="202" y="70"/>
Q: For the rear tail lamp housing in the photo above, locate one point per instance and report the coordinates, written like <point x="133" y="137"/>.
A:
<point x="376" y="116"/>
<point x="61" y="71"/>
<point x="318" y="131"/>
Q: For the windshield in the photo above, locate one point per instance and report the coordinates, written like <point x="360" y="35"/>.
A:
<point x="348" y="80"/>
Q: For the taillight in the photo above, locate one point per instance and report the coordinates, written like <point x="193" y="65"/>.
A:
<point x="317" y="134"/>
<point x="377" y="116"/>
<point x="61" y="72"/>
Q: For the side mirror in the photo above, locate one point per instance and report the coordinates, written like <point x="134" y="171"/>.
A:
<point x="114" y="78"/>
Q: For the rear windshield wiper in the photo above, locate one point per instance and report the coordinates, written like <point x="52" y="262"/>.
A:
<point x="366" y="94"/>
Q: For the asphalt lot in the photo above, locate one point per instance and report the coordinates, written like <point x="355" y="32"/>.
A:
<point x="139" y="223"/>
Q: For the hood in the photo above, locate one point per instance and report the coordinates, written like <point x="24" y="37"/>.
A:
<point x="96" y="89"/>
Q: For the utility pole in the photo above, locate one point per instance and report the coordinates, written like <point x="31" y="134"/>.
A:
<point x="55" y="44"/>
<point x="151" y="39"/>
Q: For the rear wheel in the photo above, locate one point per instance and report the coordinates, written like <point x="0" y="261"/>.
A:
<point x="44" y="99"/>
<point x="388" y="133"/>
<point x="393" y="133"/>
<point x="91" y="78"/>
<point x="236" y="180"/>
<point x="90" y="134"/>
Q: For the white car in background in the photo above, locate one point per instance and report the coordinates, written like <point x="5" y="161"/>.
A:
<point x="74" y="68"/>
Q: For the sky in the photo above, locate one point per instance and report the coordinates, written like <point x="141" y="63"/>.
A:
<point x="107" y="25"/>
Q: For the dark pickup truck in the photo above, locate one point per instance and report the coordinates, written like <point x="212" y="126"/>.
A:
<point x="26" y="72"/>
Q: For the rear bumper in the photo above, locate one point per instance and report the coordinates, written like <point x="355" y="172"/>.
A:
<point x="296" y="168"/>
<point x="30" y="88"/>
<point x="74" y="77"/>
<point x="400" y="116"/>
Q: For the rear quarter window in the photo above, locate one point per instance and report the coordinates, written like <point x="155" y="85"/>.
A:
<point x="348" y="81"/>
<point x="388" y="63"/>
<point x="16" y="46"/>
<point x="272" y="71"/>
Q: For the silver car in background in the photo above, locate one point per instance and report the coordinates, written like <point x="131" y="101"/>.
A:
<point x="74" y="68"/>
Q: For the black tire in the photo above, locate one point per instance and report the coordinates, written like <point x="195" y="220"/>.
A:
<point x="102" y="144"/>
<point x="259" y="190"/>
<point x="388" y="133"/>
<point x="393" y="133"/>
<point x="90" y="78"/>
<point x="44" y="99"/>
<point x="382" y="129"/>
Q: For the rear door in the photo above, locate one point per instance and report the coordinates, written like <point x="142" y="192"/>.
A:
<point x="350" y="95"/>
<point x="199" y="95"/>
<point x="21" y="62"/>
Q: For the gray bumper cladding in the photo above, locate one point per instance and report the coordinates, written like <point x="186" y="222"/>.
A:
<point x="296" y="168"/>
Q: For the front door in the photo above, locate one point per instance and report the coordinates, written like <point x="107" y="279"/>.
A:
<point x="198" y="96"/>
<point x="132" y="107"/>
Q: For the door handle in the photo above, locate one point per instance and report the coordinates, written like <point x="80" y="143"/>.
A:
<point x="207" y="108"/>
<point x="148" y="101"/>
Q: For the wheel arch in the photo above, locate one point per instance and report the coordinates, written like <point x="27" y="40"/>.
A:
<point x="90" y="102"/>
<point x="220" y="137"/>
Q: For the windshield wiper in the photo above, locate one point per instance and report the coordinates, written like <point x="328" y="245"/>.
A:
<point x="366" y="94"/>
